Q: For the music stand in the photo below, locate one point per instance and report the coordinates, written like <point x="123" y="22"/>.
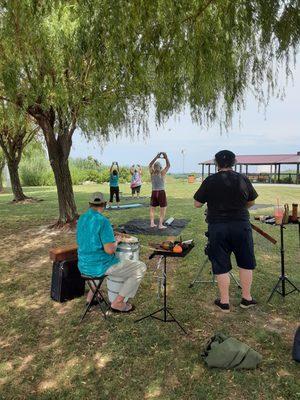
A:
<point x="165" y="309"/>
<point x="283" y="279"/>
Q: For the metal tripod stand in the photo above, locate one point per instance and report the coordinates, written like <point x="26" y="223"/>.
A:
<point x="283" y="279"/>
<point x="200" y="272"/>
<point x="165" y="310"/>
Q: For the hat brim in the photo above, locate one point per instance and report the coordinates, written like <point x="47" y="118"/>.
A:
<point x="102" y="203"/>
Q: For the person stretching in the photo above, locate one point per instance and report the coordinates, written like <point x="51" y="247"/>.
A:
<point x="158" y="197"/>
<point x="136" y="180"/>
<point x="114" y="184"/>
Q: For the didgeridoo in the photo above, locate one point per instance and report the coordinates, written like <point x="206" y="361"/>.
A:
<point x="264" y="234"/>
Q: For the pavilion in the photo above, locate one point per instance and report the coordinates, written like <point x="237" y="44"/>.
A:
<point x="274" y="161"/>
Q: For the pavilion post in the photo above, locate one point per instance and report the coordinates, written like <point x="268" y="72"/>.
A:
<point x="275" y="172"/>
<point x="271" y="172"/>
<point x="298" y="173"/>
<point x="241" y="168"/>
<point x="208" y="169"/>
<point x="279" y="173"/>
<point x="202" y="172"/>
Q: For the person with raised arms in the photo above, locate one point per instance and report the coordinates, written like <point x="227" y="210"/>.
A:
<point x="136" y="180"/>
<point x="114" y="183"/>
<point x="158" y="196"/>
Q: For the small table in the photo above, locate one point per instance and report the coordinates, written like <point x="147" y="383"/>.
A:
<point x="165" y="310"/>
<point x="283" y="279"/>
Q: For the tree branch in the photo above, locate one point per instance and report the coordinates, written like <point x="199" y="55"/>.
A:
<point x="199" y="12"/>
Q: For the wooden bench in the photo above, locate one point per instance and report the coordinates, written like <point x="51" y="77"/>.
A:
<point x="64" y="253"/>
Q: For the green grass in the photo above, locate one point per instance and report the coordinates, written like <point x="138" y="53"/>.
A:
<point x="45" y="354"/>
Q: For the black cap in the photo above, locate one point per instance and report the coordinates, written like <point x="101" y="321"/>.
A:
<point x="225" y="159"/>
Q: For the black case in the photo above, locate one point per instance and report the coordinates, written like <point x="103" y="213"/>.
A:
<point x="296" y="347"/>
<point x="67" y="282"/>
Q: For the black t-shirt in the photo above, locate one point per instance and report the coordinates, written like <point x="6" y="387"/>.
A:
<point x="226" y="194"/>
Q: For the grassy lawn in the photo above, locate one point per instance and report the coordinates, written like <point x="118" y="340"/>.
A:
<point x="45" y="354"/>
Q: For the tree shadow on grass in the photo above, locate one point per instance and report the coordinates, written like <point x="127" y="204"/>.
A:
<point x="47" y="354"/>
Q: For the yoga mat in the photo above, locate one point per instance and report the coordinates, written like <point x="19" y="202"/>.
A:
<point x="142" y="226"/>
<point x="125" y="206"/>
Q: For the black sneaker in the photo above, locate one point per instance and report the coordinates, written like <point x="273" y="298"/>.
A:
<point x="223" y="307"/>
<point x="248" y="303"/>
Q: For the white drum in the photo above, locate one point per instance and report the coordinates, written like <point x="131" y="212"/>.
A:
<point x="129" y="249"/>
<point x="114" y="284"/>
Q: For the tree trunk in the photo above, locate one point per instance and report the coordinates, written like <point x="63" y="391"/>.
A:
<point x="2" y="165"/>
<point x="59" y="147"/>
<point x="58" y="151"/>
<point x="65" y="194"/>
<point x="13" y="168"/>
<point x="1" y="182"/>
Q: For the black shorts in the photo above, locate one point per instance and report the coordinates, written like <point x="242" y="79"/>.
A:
<point x="114" y="191"/>
<point x="231" y="237"/>
<point x="136" y="189"/>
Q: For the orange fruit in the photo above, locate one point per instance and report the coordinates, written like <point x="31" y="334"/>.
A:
<point x="177" y="249"/>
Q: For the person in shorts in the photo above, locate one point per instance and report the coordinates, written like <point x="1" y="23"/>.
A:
<point x="136" y="180"/>
<point x="114" y="184"/>
<point x="228" y="196"/>
<point x="158" y="196"/>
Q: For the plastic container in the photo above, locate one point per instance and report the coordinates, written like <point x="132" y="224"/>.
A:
<point x="278" y="214"/>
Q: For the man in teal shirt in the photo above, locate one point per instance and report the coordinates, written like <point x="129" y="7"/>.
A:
<point x="96" y="253"/>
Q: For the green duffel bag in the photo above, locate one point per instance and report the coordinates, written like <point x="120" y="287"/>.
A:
<point x="226" y="352"/>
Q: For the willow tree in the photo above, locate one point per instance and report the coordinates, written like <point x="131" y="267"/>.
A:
<point x="99" y="65"/>
<point x="2" y="165"/>
<point x="16" y="132"/>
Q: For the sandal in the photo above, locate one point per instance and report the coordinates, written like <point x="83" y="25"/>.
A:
<point x="124" y="311"/>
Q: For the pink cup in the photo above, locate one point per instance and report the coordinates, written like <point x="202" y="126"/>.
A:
<point x="278" y="214"/>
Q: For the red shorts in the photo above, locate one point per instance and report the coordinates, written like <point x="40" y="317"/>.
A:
<point x="158" y="198"/>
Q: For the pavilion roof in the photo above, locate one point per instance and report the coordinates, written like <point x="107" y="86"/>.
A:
<point x="263" y="159"/>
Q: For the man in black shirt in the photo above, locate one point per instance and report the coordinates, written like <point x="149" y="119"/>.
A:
<point x="228" y="195"/>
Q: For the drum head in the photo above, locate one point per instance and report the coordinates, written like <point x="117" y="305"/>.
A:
<point x="130" y="240"/>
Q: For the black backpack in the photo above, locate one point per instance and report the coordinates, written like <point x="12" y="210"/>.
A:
<point x="296" y="347"/>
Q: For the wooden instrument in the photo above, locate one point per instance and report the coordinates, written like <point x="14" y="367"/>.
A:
<point x="294" y="217"/>
<point x="264" y="234"/>
<point x="64" y="253"/>
<point x="69" y="252"/>
<point x="285" y="219"/>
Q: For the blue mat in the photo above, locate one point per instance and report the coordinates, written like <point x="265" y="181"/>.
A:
<point x="125" y="206"/>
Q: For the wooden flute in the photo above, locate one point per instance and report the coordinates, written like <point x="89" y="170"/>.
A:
<point x="264" y="234"/>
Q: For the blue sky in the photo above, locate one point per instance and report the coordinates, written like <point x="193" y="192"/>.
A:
<point x="255" y="131"/>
